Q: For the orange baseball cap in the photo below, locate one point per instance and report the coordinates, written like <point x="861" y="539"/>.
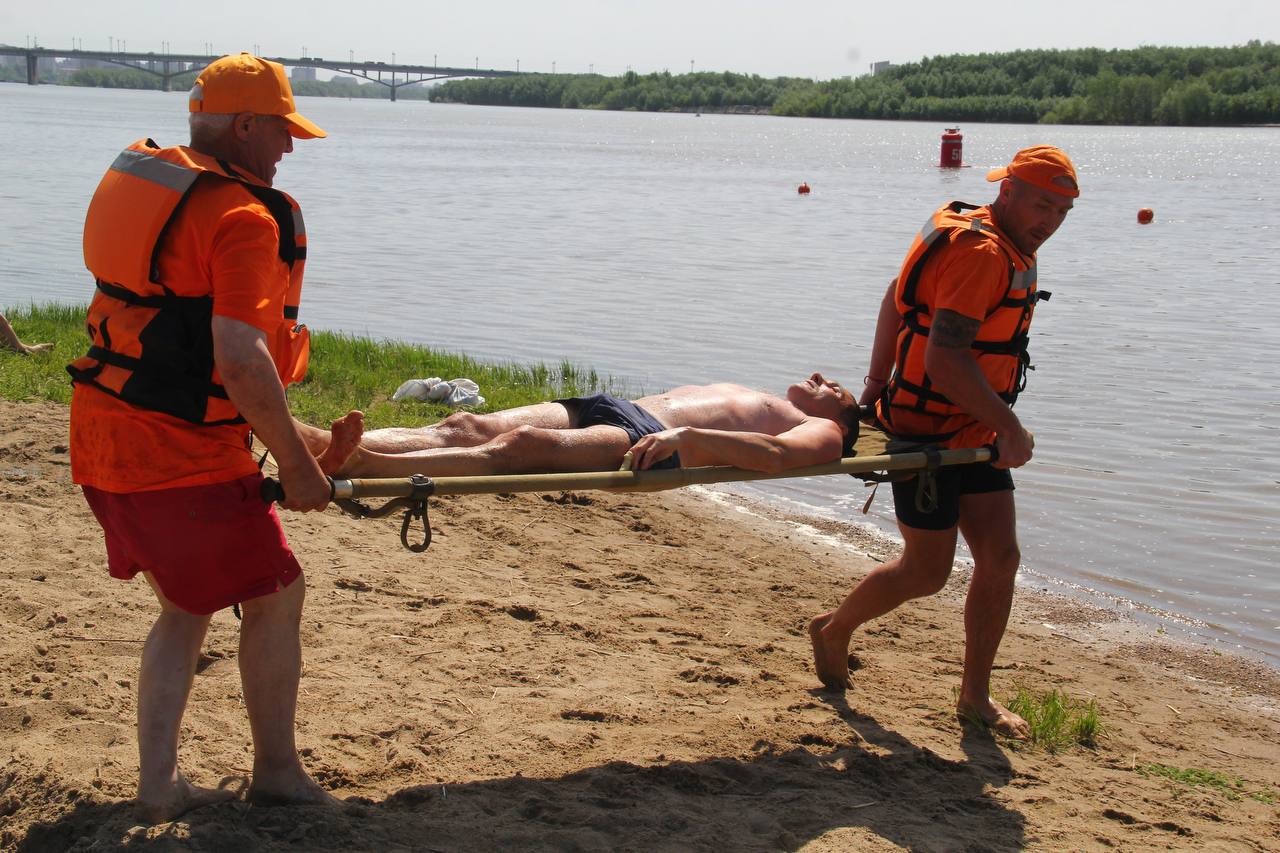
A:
<point x="1038" y="166"/>
<point x="250" y="84"/>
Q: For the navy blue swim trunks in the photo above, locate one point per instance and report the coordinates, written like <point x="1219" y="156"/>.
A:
<point x="609" y="410"/>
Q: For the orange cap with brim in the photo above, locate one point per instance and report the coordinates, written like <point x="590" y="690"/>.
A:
<point x="1038" y="166"/>
<point x="250" y="84"/>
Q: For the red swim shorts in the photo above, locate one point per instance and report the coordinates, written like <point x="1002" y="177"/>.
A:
<point x="207" y="547"/>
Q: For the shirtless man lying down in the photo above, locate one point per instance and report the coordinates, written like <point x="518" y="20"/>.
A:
<point x="689" y="426"/>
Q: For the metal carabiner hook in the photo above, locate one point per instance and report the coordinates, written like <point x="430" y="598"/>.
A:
<point x="417" y="510"/>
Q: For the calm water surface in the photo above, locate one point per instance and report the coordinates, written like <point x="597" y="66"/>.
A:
<point x="671" y="249"/>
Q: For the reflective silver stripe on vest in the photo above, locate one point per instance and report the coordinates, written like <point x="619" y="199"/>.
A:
<point x="1022" y="279"/>
<point x="930" y="231"/>
<point x="155" y="170"/>
<point x="299" y="228"/>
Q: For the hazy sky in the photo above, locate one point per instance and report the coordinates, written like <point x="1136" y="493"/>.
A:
<point x="806" y="38"/>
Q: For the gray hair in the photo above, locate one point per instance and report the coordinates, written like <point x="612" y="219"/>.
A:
<point x="209" y="128"/>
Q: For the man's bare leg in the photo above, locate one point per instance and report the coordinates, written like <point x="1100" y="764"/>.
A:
<point x="270" y="666"/>
<point x="460" y="429"/>
<point x="467" y="429"/>
<point x="524" y="450"/>
<point x="923" y="568"/>
<point x="164" y="683"/>
<point x="988" y="524"/>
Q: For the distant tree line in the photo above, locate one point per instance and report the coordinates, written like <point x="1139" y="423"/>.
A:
<point x="657" y="92"/>
<point x="1149" y="85"/>
<point x="1145" y="86"/>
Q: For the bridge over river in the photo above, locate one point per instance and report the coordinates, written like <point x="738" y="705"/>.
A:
<point x="174" y="66"/>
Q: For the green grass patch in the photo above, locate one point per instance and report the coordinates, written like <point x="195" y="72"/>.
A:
<point x="1057" y="720"/>
<point x="43" y="376"/>
<point x="346" y="372"/>
<point x="1232" y="787"/>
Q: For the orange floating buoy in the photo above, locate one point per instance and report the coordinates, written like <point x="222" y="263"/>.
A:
<point x="803" y="189"/>
<point x="1145" y="215"/>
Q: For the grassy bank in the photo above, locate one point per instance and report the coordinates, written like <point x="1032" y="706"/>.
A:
<point x="346" y="372"/>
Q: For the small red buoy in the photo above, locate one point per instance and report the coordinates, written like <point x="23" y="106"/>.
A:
<point x="1145" y="215"/>
<point x="803" y="189"/>
<point x="952" y="146"/>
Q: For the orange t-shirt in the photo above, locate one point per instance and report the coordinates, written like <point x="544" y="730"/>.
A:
<point x="222" y="241"/>
<point x="970" y="277"/>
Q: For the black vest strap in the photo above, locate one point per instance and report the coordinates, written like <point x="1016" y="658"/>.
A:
<point x="166" y="300"/>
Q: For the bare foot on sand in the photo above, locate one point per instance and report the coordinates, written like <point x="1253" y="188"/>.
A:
<point x="830" y="659"/>
<point x="182" y="797"/>
<point x="295" y="789"/>
<point x="344" y="439"/>
<point x="994" y="716"/>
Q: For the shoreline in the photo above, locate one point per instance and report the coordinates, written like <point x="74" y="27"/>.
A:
<point x="1161" y="623"/>
<point x="1074" y="616"/>
<point x="595" y="670"/>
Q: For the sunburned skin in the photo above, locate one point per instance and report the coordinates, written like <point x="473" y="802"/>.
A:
<point x="722" y="406"/>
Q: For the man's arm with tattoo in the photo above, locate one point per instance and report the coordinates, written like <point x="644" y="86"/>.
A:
<point x="954" y="370"/>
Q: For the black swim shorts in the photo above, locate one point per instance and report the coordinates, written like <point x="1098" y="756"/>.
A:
<point x="953" y="481"/>
<point x="609" y="410"/>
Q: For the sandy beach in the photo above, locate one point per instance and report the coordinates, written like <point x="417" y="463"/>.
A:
<point x="593" y="671"/>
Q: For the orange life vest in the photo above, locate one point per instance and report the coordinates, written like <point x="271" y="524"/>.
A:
<point x="1001" y="343"/>
<point x="149" y="346"/>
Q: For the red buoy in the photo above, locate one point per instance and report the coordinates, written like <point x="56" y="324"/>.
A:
<point x="952" y="144"/>
<point x="1145" y="215"/>
<point x="803" y="189"/>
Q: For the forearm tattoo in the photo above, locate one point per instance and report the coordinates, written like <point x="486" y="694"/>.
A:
<point x="952" y="330"/>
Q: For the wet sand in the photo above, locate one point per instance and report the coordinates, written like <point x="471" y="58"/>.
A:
<point x="596" y="671"/>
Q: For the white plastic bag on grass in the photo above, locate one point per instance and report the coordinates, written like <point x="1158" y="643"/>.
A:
<point x="459" y="392"/>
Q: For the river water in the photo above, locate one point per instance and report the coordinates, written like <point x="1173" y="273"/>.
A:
<point x="668" y="249"/>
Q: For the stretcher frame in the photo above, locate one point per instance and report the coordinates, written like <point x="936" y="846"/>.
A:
<point x="412" y="493"/>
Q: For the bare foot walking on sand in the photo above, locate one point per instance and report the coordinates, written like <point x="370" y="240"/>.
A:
<point x="830" y="660"/>
<point x="291" y="788"/>
<point x="992" y="715"/>
<point x="162" y="806"/>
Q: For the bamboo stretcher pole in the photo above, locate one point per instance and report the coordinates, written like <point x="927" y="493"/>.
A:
<point x="639" y="481"/>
